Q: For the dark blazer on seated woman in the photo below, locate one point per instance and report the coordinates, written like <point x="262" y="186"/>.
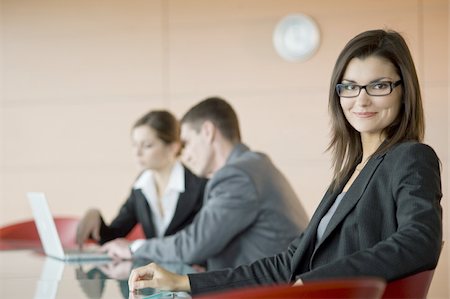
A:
<point x="388" y="224"/>
<point x="137" y="210"/>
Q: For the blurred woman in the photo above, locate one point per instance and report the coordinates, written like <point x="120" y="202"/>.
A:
<point x="164" y="198"/>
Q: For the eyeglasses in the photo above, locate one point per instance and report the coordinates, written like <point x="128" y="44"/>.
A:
<point x="381" y="88"/>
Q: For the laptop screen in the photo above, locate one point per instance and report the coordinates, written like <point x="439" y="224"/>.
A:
<point x="45" y="225"/>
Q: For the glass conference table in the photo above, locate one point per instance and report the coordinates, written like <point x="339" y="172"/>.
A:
<point x="28" y="273"/>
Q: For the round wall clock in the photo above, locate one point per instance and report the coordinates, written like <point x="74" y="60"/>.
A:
<point x="296" y="37"/>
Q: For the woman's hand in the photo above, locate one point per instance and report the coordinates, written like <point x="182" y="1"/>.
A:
<point x="117" y="249"/>
<point x="88" y="226"/>
<point x="116" y="270"/>
<point x="153" y="276"/>
<point x="298" y="282"/>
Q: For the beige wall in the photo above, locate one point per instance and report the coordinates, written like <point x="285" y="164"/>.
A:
<point x="74" y="75"/>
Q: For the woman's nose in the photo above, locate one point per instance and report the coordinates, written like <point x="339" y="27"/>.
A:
<point x="363" y="99"/>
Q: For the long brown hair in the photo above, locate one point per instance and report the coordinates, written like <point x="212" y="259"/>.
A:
<point x="345" y="142"/>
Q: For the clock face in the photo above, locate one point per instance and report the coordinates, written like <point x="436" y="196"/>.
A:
<point x="296" y="37"/>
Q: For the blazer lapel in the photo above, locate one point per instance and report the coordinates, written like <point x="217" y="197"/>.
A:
<point x="301" y="258"/>
<point x="184" y="207"/>
<point x="352" y="196"/>
<point x="187" y="203"/>
<point x="145" y="215"/>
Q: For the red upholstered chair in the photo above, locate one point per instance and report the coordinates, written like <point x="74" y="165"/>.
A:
<point x="136" y="233"/>
<point x="26" y="231"/>
<point x="367" y="288"/>
<point x="414" y="286"/>
<point x="24" y="234"/>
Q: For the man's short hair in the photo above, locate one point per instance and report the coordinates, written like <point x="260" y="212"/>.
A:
<point x="219" y="112"/>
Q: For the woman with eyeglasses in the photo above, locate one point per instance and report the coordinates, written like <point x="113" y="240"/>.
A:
<point x="164" y="198"/>
<point x="381" y="215"/>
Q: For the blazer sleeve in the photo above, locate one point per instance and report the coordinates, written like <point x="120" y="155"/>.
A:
<point x="231" y="206"/>
<point x="416" y="244"/>
<point x="122" y="224"/>
<point x="271" y="270"/>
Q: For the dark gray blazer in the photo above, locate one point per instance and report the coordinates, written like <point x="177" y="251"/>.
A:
<point x="250" y="211"/>
<point x="137" y="210"/>
<point x="389" y="224"/>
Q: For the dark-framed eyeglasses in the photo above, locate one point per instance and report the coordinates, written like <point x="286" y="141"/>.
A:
<point x="381" y="88"/>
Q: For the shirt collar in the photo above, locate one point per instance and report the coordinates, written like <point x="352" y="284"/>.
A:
<point x="176" y="180"/>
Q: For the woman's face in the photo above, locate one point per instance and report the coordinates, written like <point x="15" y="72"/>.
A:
<point x="150" y="151"/>
<point x="368" y="114"/>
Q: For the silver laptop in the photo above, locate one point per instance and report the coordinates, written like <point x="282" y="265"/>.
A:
<point x="49" y="235"/>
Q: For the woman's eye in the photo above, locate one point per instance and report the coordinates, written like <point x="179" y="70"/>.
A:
<point x="380" y="85"/>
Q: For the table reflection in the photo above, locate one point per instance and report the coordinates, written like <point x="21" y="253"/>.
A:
<point x="93" y="278"/>
<point x="28" y="274"/>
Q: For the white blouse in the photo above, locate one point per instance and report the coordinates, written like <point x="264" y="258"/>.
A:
<point x="169" y="199"/>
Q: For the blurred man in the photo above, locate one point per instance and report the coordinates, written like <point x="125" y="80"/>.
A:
<point x="250" y="209"/>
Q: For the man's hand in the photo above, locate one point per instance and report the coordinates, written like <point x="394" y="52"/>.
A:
<point x="117" y="249"/>
<point x="153" y="276"/>
<point x="88" y="226"/>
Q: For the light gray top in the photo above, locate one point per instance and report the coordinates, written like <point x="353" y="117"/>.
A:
<point x="327" y="217"/>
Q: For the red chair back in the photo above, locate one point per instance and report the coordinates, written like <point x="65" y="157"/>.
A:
<point x="19" y="231"/>
<point x="25" y="235"/>
<point x="26" y="231"/>
<point x="368" y="288"/>
<point x="414" y="286"/>
<point x="136" y="233"/>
